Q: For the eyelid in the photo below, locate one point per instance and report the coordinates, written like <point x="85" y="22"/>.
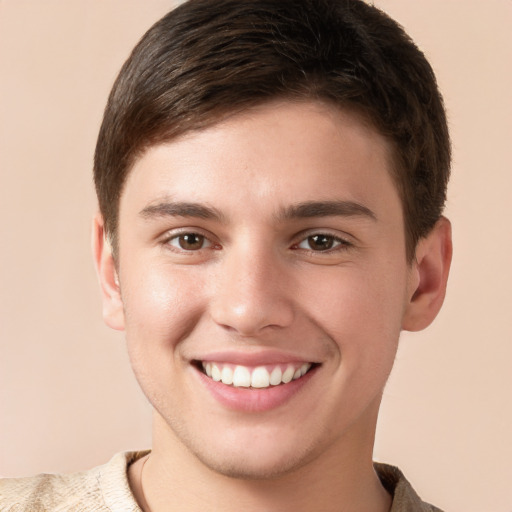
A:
<point x="336" y="243"/>
<point x="174" y="234"/>
<point x="344" y="241"/>
<point x="206" y="243"/>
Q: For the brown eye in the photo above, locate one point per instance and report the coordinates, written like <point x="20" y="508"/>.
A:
<point x="189" y="242"/>
<point x="320" y="242"/>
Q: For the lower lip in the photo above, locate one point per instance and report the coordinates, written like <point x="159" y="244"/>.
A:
<point x="254" y="399"/>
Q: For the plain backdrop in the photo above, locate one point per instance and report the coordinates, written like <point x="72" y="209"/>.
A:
<point x="68" y="400"/>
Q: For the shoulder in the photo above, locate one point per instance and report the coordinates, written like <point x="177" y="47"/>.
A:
<point x="104" y="488"/>
<point x="405" y="498"/>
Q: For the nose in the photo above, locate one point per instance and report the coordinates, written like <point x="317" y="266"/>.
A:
<point x="253" y="292"/>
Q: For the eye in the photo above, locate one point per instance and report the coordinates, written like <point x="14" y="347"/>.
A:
<point x="189" y="242"/>
<point x="321" y="242"/>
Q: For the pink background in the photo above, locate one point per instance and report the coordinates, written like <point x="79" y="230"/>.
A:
<point x="68" y="400"/>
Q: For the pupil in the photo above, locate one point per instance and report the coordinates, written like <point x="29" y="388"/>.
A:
<point x="320" y="242"/>
<point x="191" y="241"/>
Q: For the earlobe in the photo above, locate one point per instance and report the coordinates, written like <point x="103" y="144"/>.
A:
<point x="429" y="276"/>
<point x="113" y="313"/>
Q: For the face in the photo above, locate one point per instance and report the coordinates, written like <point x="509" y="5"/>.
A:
<point x="264" y="282"/>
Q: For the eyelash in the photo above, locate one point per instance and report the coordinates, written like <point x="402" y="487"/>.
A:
<point x="176" y="237"/>
<point x="335" y="243"/>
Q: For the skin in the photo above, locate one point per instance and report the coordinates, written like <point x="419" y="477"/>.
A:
<point x="255" y="282"/>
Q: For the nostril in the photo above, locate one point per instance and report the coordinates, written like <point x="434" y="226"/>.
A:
<point x="250" y="321"/>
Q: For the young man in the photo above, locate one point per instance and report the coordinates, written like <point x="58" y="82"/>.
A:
<point x="271" y="178"/>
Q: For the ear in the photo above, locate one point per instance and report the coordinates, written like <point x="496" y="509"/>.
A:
<point x="113" y="312"/>
<point x="428" y="277"/>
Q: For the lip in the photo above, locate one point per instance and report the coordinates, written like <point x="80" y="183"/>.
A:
<point x="251" y="399"/>
<point x="253" y="359"/>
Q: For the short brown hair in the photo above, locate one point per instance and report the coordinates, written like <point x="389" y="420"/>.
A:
<point x="207" y="59"/>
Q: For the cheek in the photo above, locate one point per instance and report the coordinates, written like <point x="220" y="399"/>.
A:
<point x="161" y="307"/>
<point x="361" y="298"/>
<point x="361" y="310"/>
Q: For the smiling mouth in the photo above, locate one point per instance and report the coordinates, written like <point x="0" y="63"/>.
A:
<point x="258" y="377"/>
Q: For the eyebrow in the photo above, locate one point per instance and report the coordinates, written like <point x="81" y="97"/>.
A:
<point x="304" y="210"/>
<point x="169" y="208"/>
<point x="312" y="209"/>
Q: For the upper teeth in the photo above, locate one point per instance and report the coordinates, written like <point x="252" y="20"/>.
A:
<point x="259" y="377"/>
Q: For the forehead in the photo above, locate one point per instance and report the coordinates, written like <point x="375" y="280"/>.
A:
<point x="277" y="153"/>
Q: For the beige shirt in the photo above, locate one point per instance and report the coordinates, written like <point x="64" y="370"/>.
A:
<point x="106" y="488"/>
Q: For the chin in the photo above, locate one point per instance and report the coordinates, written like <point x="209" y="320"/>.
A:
<point x="252" y="466"/>
<point x="245" y="452"/>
